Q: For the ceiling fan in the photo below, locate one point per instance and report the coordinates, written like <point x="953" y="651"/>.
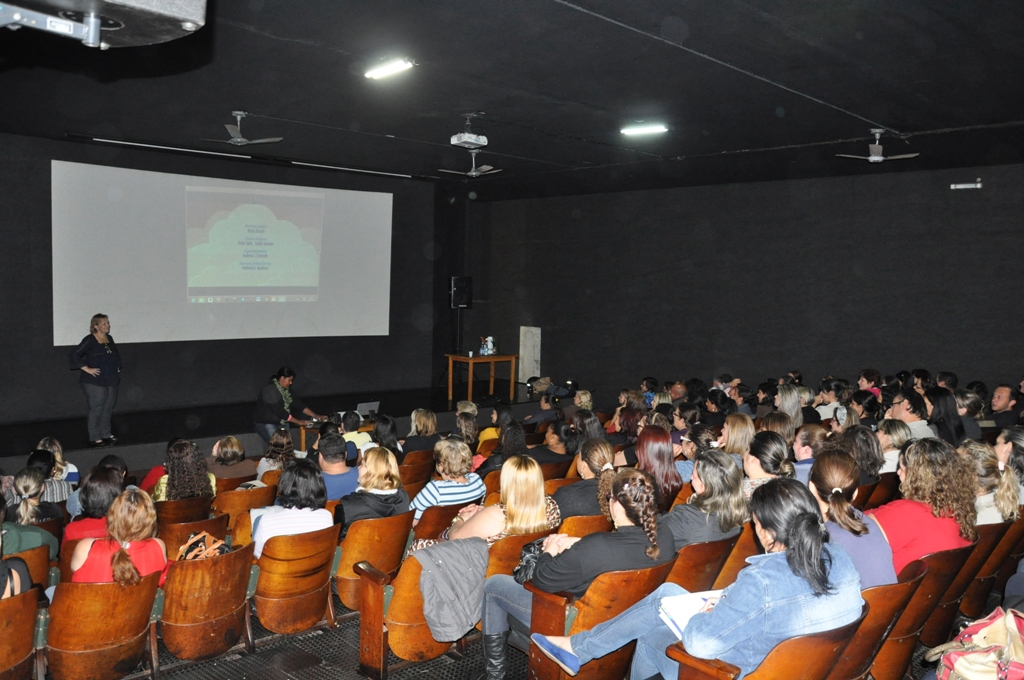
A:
<point x="474" y="171"/>
<point x="236" y="133"/>
<point x="876" y="151"/>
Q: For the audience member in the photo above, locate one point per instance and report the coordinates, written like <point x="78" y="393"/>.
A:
<point x="654" y="456"/>
<point x="717" y="509"/>
<point x="501" y="416"/>
<point x="781" y="424"/>
<point x="717" y="406"/>
<point x="379" y="494"/>
<point x="998" y="494"/>
<point x="768" y="458"/>
<point x="1004" y="399"/>
<point x="1010" y="449"/>
<point x="909" y="407"/>
<point x="922" y="380"/>
<point x="969" y="406"/>
<point x="787" y="401"/>
<point x="511" y="443"/>
<point x="699" y="438"/>
<point x="228" y="460"/>
<point x="423" y="431"/>
<point x="385" y="434"/>
<point x="301" y="496"/>
<point x="943" y="416"/>
<point x="15" y="578"/>
<point x="29" y="506"/>
<point x="54" y="490"/>
<point x="807" y="445"/>
<point x="114" y="462"/>
<point x="947" y="379"/>
<point x="62" y="469"/>
<point x="862" y="444"/>
<point x="871" y="380"/>
<point x="766" y="393"/>
<point x="587" y="426"/>
<point x="594" y="466"/>
<point x="827" y="400"/>
<point x="279" y="452"/>
<point x="131" y="552"/>
<point x="350" y="424"/>
<point x="737" y="433"/>
<point x="457" y="485"/>
<point x="892" y="435"/>
<point x="339" y="479"/>
<point x="545" y="413"/>
<point x="559" y="444"/>
<point x="101" y="486"/>
<point x="187" y="475"/>
<point x="866" y="405"/>
<point x="21" y="537"/>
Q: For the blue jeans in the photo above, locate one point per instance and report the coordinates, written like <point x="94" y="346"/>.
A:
<point x="265" y="430"/>
<point x="503" y="596"/>
<point x="640" y="622"/>
<point x="101" y="399"/>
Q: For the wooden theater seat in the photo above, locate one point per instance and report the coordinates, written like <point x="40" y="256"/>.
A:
<point x="893" y="659"/>
<point x="176" y="535"/>
<point x="506" y="552"/>
<point x="973" y="603"/>
<point x="206" y="609"/>
<point x="380" y="542"/>
<point x="808" y="657"/>
<point x="53" y="526"/>
<point x="553" y="485"/>
<point x="864" y="493"/>
<point x="293" y="593"/>
<point x="609" y="595"/>
<point x="486" y="447"/>
<point x="101" y="630"/>
<point x="582" y="525"/>
<point x="885" y="604"/>
<point x="436" y="519"/>
<point x="17" y="631"/>
<point x="887" y="489"/>
<point x="746" y="546"/>
<point x="698" y="565"/>
<point x="685" y="491"/>
<point x="237" y="504"/>
<point x="187" y="510"/>
<point x="232" y="483"/>
<point x="271" y="477"/>
<point x="555" y="470"/>
<point x="38" y="561"/>
<point x="417" y="457"/>
<point x="492" y="482"/>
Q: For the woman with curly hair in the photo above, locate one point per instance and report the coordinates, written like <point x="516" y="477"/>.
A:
<point x="571" y="564"/>
<point x="937" y="511"/>
<point x="654" y="456"/>
<point x="187" y="476"/>
<point x="279" y="452"/>
<point x="716" y="510"/>
<point x="132" y="551"/>
<point x="998" y="497"/>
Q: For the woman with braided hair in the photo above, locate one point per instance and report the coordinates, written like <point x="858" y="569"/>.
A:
<point x="571" y="564"/>
<point x="834" y="478"/>
<point x="131" y="552"/>
<point x="802" y="584"/>
<point x="187" y="475"/>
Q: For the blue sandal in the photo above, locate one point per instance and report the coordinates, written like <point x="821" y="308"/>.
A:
<point x="569" y="662"/>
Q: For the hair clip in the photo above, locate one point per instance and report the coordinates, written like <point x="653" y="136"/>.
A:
<point x="836" y="489"/>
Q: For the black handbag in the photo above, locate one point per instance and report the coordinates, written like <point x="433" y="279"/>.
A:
<point x="528" y="561"/>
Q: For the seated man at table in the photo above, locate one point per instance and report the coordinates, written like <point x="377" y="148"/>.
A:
<point x="339" y="478"/>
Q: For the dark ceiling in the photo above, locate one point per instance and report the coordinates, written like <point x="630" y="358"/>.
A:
<point x="751" y="91"/>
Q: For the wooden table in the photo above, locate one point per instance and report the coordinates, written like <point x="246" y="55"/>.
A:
<point x="473" y="361"/>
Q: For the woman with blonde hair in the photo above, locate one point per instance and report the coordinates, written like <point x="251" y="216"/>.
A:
<point x="998" y="498"/>
<point x="458" y="485"/>
<point x="228" y="460"/>
<point x="835" y="476"/>
<point x="892" y="435"/>
<point x="132" y="551"/>
<point x="583" y="400"/>
<point x="787" y="400"/>
<point x="937" y="511"/>
<point x="737" y="433"/>
<point x="29" y="508"/>
<point x="423" y="431"/>
<point x="717" y="509"/>
<point x="379" y="494"/>
<point x="62" y="469"/>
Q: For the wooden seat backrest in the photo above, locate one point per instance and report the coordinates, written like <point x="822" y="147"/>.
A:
<point x="293" y="592"/>
<point x="555" y="470"/>
<point x="886" y="489"/>
<point x="938" y="627"/>
<point x="408" y="634"/>
<point x="492" y="482"/>
<point x="620" y="447"/>
<point x="86" y="640"/>
<point x="17" y="628"/>
<point x="535" y="439"/>
<point x="204" y="612"/>
<point x="506" y="552"/>
<point x="684" y="494"/>
<point x="582" y="525"/>
<point x="53" y="526"/>
<point x="64" y="559"/>
<point x="435" y="519"/>
<point x="746" y="546"/>
<point x="381" y="542"/>
<point x="412" y="473"/>
<point x="414" y="489"/>
<point x="885" y="604"/>
<point x="603" y="417"/>
<point x="698" y="564"/>
<point x="973" y="603"/>
<point x="542" y="428"/>
<point x="493" y="498"/>
<point x="553" y="485"/>
<point x="271" y="477"/>
<point x="609" y="595"/>
<point x="864" y="493"/>
<point x="574" y="471"/>
<point x="237" y="503"/>
<point x="38" y="561"/>
<point x="417" y="457"/>
<point x="176" y="535"/>
<point x="232" y="483"/>
<point x="893" y="658"/>
<point x="808" y="657"/>
<point x="486" y="447"/>
<point x="187" y="510"/>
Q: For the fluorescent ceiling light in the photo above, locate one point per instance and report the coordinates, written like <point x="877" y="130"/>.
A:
<point x="389" y="69"/>
<point x="644" y="129"/>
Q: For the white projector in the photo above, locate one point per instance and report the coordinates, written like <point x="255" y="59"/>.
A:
<point x="467" y="140"/>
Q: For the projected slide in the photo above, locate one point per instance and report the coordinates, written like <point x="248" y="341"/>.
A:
<point x="253" y="246"/>
<point x="158" y="251"/>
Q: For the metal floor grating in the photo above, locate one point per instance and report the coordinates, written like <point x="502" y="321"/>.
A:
<point x="290" y="657"/>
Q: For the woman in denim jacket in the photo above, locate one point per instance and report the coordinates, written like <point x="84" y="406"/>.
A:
<point x="802" y="584"/>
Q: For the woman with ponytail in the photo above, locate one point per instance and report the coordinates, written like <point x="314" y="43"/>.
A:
<point x="998" y="495"/>
<point x="834" y="478"/>
<point x="590" y="496"/>
<point x="802" y="584"/>
<point x="769" y="457"/>
<point x="131" y="552"/>
<point x="29" y="508"/>
<point x="570" y="564"/>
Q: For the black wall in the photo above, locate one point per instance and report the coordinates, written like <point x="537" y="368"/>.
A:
<point x="833" y="275"/>
<point x="37" y="382"/>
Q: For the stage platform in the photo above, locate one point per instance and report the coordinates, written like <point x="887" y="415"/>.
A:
<point x="144" y="436"/>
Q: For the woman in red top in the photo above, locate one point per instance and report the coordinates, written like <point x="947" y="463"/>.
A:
<point x="99" y="489"/>
<point x="131" y="552"/>
<point x="937" y="511"/>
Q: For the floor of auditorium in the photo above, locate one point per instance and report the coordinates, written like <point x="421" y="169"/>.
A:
<point x="320" y="653"/>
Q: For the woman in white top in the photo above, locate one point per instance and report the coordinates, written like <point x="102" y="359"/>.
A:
<point x="301" y="498"/>
<point x="280" y="450"/>
<point x="892" y="435"/>
<point x="998" y="494"/>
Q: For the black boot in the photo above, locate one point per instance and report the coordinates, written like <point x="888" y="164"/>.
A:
<point x="495" y="658"/>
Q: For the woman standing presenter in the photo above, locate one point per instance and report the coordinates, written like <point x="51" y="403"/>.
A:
<point x="100" y="364"/>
